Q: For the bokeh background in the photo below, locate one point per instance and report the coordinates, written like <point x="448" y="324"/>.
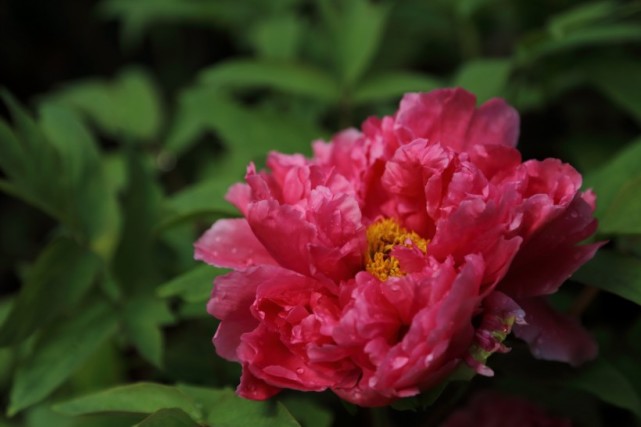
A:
<point x="125" y="121"/>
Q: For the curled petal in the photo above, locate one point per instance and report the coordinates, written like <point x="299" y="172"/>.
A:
<point x="230" y="243"/>
<point x="554" y="336"/>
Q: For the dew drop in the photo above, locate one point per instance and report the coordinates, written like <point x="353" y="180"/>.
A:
<point x="399" y="362"/>
<point x="300" y="371"/>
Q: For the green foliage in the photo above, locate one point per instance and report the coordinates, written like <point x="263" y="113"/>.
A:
<point x="609" y="384"/>
<point x="61" y="276"/>
<point x="131" y="167"/>
<point x="613" y="272"/>
<point x="58" y="352"/>
<point x="220" y="408"/>
<point x="127" y="107"/>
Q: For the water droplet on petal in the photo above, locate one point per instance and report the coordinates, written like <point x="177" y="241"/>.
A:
<point x="429" y="358"/>
<point x="399" y="362"/>
<point x="300" y="371"/>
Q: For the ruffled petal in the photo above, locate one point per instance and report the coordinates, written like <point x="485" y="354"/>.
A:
<point x="550" y="256"/>
<point x="554" y="336"/>
<point x="230" y="243"/>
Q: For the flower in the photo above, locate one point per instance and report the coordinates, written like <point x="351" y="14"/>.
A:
<point x="491" y="409"/>
<point x="398" y="253"/>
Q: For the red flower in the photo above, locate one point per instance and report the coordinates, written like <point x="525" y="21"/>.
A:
<point x="490" y="409"/>
<point x="366" y="268"/>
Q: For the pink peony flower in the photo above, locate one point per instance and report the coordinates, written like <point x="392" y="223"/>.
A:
<point x="490" y="409"/>
<point x="397" y="253"/>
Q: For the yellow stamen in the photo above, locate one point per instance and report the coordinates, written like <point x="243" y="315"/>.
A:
<point x="382" y="236"/>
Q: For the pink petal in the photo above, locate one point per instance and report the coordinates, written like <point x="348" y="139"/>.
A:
<point x="550" y="256"/>
<point x="554" y="336"/>
<point x="239" y="195"/>
<point x="495" y="122"/>
<point x="441" y="116"/>
<point x="231" y="298"/>
<point x="254" y="388"/>
<point x="449" y="117"/>
<point x="230" y="243"/>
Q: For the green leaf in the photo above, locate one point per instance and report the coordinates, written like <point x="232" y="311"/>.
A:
<point x="168" y="418"/>
<point x="144" y="398"/>
<point x="59" y="278"/>
<point x="308" y="412"/>
<point x="486" y="78"/>
<point x="620" y="81"/>
<point x="247" y="132"/>
<point x="357" y="34"/>
<point x="143" y="320"/>
<point x="30" y="161"/>
<point x="140" y="204"/>
<point x="608" y="384"/>
<point x="606" y="34"/>
<point x="192" y="286"/>
<point x="580" y="16"/>
<point x="60" y="352"/>
<point x="224" y="409"/>
<point x="93" y="208"/>
<point x="393" y="85"/>
<point x="613" y="272"/>
<point x="615" y="184"/>
<point x="290" y="78"/>
<point x="138" y="16"/>
<point x="278" y="37"/>
<point x="60" y="147"/>
<point x="204" y="199"/>
<point x="128" y="106"/>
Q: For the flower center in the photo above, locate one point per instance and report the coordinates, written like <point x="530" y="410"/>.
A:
<point x="382" y="237"/>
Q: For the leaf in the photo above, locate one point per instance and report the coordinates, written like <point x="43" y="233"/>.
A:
<point x="93" y="208"/>
<point x="486" y="78"/>
<point x="192" y="286"/>
<point x="222" y="408"/>
<point x="308" y="412"/>
<point x="204" y="199"/>
<point x="393" y="85"/>
<point x="143" y="320"/>
<point x="613" y="272"/>
<point x="604" y="34"/>
<point x="144" y="398"/>
<point x="168" y="418"/>
<point x="138" y="16"/>
<point x="290" y="78"/>
<point x="580" y="16"/>
<point x="620" y="81"/>
<point x="246" y="132"/>
<point x="63" y="148"/>
<point x="128" y="106"/>
<point x="61" y="275"/>
<point x="30" y="161"/>
<point x="615" y="184"/>
<point x="278" y="37"/>
<point x="140" y="203"/>
<point x="60" y="352"/>
<point x="356" y="36"/>
<point x="608" y="384"/>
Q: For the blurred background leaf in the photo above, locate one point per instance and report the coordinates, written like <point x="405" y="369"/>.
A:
<point x="124" y="123"/>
